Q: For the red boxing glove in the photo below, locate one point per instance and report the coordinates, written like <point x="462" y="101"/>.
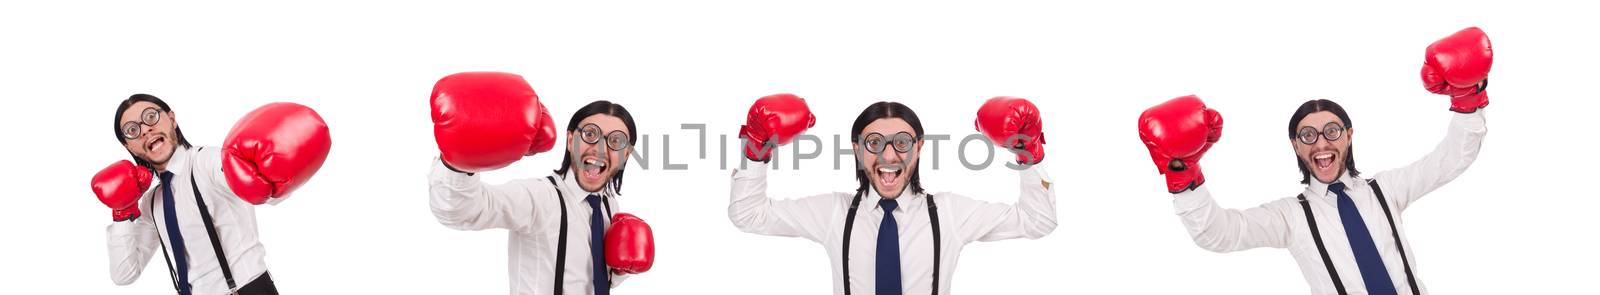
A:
<point x="487" y="120"/>
<point x="545" y="139"/>
<point x="1458" y="66"/>
<point x="119" y="186"/>
<point x="630" y="247"/>
<point x="1013" y="123"/>
<point x="779" y="116"/>
<point x="1178" y="132"/>
<point x="274" y="150"/>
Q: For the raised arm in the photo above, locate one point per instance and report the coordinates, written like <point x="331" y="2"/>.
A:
<point x="130" y="240"/>
<point x="1449" y="159"/>
<point x="484" y="121"/>
<point x="1225" y="230"/>
<point x="1178" y="133"/>
<point x="1014" y="124"/>
<point x="752" y="211"/>
<point x="1457" y="66"/>
<point x="772" y="121"/>
<point x="464" y="202"/>
<point x="1033" y="215"/>
<point x="129" y="245"/>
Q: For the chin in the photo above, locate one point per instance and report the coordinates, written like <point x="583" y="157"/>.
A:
<point x="162" y="161"/>
<point x="890" y="194"/>
<point x="1329" y="178"/>
<point x="593" y="188"/>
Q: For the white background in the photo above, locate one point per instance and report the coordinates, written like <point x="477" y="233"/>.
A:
<point x="1519" y="221"/>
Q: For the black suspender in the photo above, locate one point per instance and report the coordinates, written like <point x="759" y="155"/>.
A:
<point x="561" y="239"/>
<point x="933" y="215"/>
<point x="1317" y="237"/>
<point x="1410" y="280"/>
<point x="172" y="273"/>
<point x="211" y="232"/>
<point x="850" y="221"/>
<point x="1339" y="285"/>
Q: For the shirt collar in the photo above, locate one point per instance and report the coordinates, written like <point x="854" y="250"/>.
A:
<point x="570" y="184"/>
<point x="1317" y="188"/>
<point x="905" y="199"/>
<point x="179" y="163"/>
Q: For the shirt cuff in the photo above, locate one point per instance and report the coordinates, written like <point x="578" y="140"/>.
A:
<point x="1191" y="200"/>
<point x="1472" y="121"/>
<point x="616" y="279"/>
<point x="1037" y="173"/>
<point x="123" y="228"/>
<point x="449" y="177"/>
<point x="751" y="170"/>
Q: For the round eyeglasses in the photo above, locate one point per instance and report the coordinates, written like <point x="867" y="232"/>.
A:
<point x="1332" y="132"/>
<point x="876" y="142"/>
<point x="149" y="117"/>
<point x="616" y="140"/>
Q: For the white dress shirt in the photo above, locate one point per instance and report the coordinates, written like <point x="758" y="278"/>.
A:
<point x="1282" y="224"/>
<point x="529" y="209"/>
<point x="962" y="220"/>
<point x="131" y="244"/>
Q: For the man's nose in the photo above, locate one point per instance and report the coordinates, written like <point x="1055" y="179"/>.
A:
<point x="1323" y="144"/>
<point x="598" y="150"/>
<point x="889" y="154"/>
<point x="147" y="130"/>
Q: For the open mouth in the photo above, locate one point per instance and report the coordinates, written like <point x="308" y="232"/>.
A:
<point x="1323" y="160"/>
<point x="592" y="168"/>
<point x="155" y="143"/>
<point x="889" y="175"/>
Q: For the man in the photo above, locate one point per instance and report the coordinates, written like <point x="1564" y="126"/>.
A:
<point x="1345" y="231"/>
<point x="889" y="236"/>
<point x="202" y="216"/>
<point x="560" y="242"/>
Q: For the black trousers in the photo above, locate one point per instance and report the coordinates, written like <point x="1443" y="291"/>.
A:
<point x="260" y="286"/>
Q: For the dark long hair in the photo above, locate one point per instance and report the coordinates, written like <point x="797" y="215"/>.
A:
<point x="599" y="107"/>
<point x="880" y="110"/>
<point x="116" y="123"/>
<point x="1318" y="105"/>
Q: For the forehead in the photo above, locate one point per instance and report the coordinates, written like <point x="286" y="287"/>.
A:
<point x="888" y="126"/>
<point x="1319" y="119"/>
<point x="134" y="109"/>
<point x="605" y="122"/>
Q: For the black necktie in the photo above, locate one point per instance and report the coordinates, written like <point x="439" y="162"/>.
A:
<point x="597" y="246"/>
<point x="175" y="234"/>
<point x="1373" y="273"/>
<point x="888" y="250"/>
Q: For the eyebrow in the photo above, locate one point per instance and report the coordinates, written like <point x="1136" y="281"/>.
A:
<point x="140" y="113"/>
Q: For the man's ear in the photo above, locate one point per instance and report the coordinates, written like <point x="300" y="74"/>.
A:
<point x="861" y="161"/>
<point x="916" y="150"/>
<point x="1350" y="135"/>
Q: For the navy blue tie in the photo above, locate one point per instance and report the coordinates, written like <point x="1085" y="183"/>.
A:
<point x="888" y="250"/>
<point x="174" y="234"/>
<point x="1373" y="272"/>
<point x="597" y="246"/>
